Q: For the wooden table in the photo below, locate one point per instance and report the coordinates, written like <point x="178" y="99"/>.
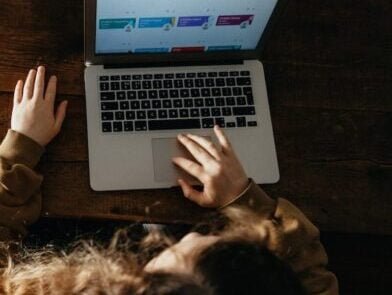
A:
<point x="328" y="67"/>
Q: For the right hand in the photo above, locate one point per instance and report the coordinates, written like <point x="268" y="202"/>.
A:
<point x="219" y="170"/>
<point x="33" y="112"/>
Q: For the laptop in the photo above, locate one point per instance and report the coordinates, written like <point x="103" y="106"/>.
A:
<point x="158" y="68"/>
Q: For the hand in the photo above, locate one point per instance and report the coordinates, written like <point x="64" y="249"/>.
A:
<point x="33" y="111"/>
<point x="219" y="171"/>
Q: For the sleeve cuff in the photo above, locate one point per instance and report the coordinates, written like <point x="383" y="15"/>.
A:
<point x="20" y="149"/>
<point x="255" y="199"/>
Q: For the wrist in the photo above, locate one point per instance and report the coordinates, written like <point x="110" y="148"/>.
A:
<point x="243" y="191"/>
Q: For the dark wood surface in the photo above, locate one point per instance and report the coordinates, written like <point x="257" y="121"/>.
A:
<point x="328" y="69"/>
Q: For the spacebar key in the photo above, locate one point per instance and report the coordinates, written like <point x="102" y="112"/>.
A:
<point x="174" y="124"/>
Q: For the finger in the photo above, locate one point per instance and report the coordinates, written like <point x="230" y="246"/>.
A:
<point x="60" y="115"/>
<point x="18" y="94"/>
<point x="206" y="144"/>
<point x="51" y="89"/>
<point x="29" y="85"/>
<point x="222" y="138"/>
<point x="39" y="85"/>
<point x="190" y="167"/>
<point x="200" y="154"/>
<point x="190" y="193"/>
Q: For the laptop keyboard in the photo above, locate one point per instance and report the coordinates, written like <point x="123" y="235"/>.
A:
<point x="174" y="101"/>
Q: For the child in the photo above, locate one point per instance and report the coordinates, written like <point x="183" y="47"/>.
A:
<point x="268" y="246"/>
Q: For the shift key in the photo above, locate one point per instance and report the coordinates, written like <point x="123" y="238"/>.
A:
<point x="244" y="111"/>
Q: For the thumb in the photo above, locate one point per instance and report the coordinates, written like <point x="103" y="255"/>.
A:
<point x="60" y="114"/>
<point x="190" y="193"/>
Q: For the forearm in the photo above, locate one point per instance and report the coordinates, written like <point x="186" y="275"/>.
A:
<point x="290" y="236"/>
<point x="20" y="198"/>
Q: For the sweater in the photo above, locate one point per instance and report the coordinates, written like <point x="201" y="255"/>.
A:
<point x="287" y="232"/>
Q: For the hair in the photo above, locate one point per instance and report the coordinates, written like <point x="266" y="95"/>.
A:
<point x="239" y="263"/>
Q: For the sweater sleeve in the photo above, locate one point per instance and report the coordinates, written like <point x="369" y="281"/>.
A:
<point x="20" y="197"/>
<point x="292" y="237"/>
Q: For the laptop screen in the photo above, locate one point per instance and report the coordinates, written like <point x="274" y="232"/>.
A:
<point x="180" y="26"/>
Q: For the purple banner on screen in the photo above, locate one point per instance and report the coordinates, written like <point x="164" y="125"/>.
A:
<point x="235" y="20"/>
<point x="192" y="21"/>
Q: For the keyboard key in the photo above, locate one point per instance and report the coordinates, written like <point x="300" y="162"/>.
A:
<point x="115" y="78"/>
<point x="124" y="105"/>
<point x="241" y="101"/>
<point x="234" y="74"/>
<point x="210" y="82"/>
<point x="137" y="77"/>
<point x="215" y="112"/>
<point x="168" y="84"/>
<point x="141" y="115"/>
<point x="157" y="84"/>
<point x="109" y="106"/>
<point x="126" y="85"/>
<point x="244" y="111"/>
<point x="177" y="103"/>
<point x="212" y="74"/>
<point x="130" y="115"/>
<point x="188" y="103"/>
<point x="128" y="126"/>
<point x="205" y="92"/>
<point x="126" y="77"/>
<point x="107" y="96"/>
<point x="191" y="75"/>
<point x="230" y="101"/>
<point x="147" y="85"/>
<point x="227" y="91"/>
<point x="104" y="86"/>
<point x="131" y="95"/>
<point x="174" y="93"/>
<point x="206" y="112"/>
<point x="178" y="84"/>
<point x="121" y="95"/>
<point x="162" y="114"/>
<point x="244" y="81"/>
<point x="216" y="92"/>
<point x="208" y="123"/>
<point x="226" y="112"/>
<point x="141" y="126"/>
<point x="136" y="85"/>
<point x="174" y="124"/>
<point x="114" y="86"/>
<point x="245" y="73"/>
<point x="230" y="82"/>
<point x="199" y="83"/>
<point x="158" y="76"/>
<point x="247" y="90"/>
<point x="117" y="126"/>
<point x="184" y="113"/>
<point x="201" y="75"/>
<point x="250" y="99"/>
<point x="120" y="116"/>
<point x="219" y="101"/>
<point x="142" y="94"/>
<point x="223" y="74"/>
<point x="167" y="104"/>
<point x="209" y="102"/>
<point x="195" y="113"/>
<point x="147" y="77"/>
<point x="180" y="75"/>
<point x="135" y="105"/>
<point x="185" y="93"/>
<point x="107" y="127"/>
<point x="220" y="122"/>
<point x="237" y="91"/>
<point x="241" y="121"/>
<point x="163" y="94"/>
<point x="107" y="116"/>
<point x="156" y="104"/>
<point x="169" y="76"/>
<point x="220" y="82"/>
<point x="252" y="124"/>
<point x="195" y="92"/>
<point x="104" y="78"/>
<point x="152" y="114"/>
<point x="173" y="114"/>
<point x="199" y="102"/>
<point x="153" y="94"/>
<point x="146" y="104"/>
<point x="189" y="83"/>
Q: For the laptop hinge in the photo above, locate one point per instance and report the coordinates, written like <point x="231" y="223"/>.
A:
<point x="175" y="64"/>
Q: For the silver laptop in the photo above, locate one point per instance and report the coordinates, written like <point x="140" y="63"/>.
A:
<point x="155" y="69"/>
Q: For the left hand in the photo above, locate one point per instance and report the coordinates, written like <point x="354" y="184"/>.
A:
<point x="219" y="170"/>
<point x="33" y="114"/>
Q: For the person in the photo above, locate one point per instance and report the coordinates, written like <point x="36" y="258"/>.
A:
<point x="267" y="246"/>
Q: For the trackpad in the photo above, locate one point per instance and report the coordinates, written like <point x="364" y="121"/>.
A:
<point x="164" y="150"/>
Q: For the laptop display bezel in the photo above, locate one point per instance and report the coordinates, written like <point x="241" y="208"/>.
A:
<point x="121" y="59"/>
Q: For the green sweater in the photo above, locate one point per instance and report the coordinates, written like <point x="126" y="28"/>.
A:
<point x="287" y="232"/>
